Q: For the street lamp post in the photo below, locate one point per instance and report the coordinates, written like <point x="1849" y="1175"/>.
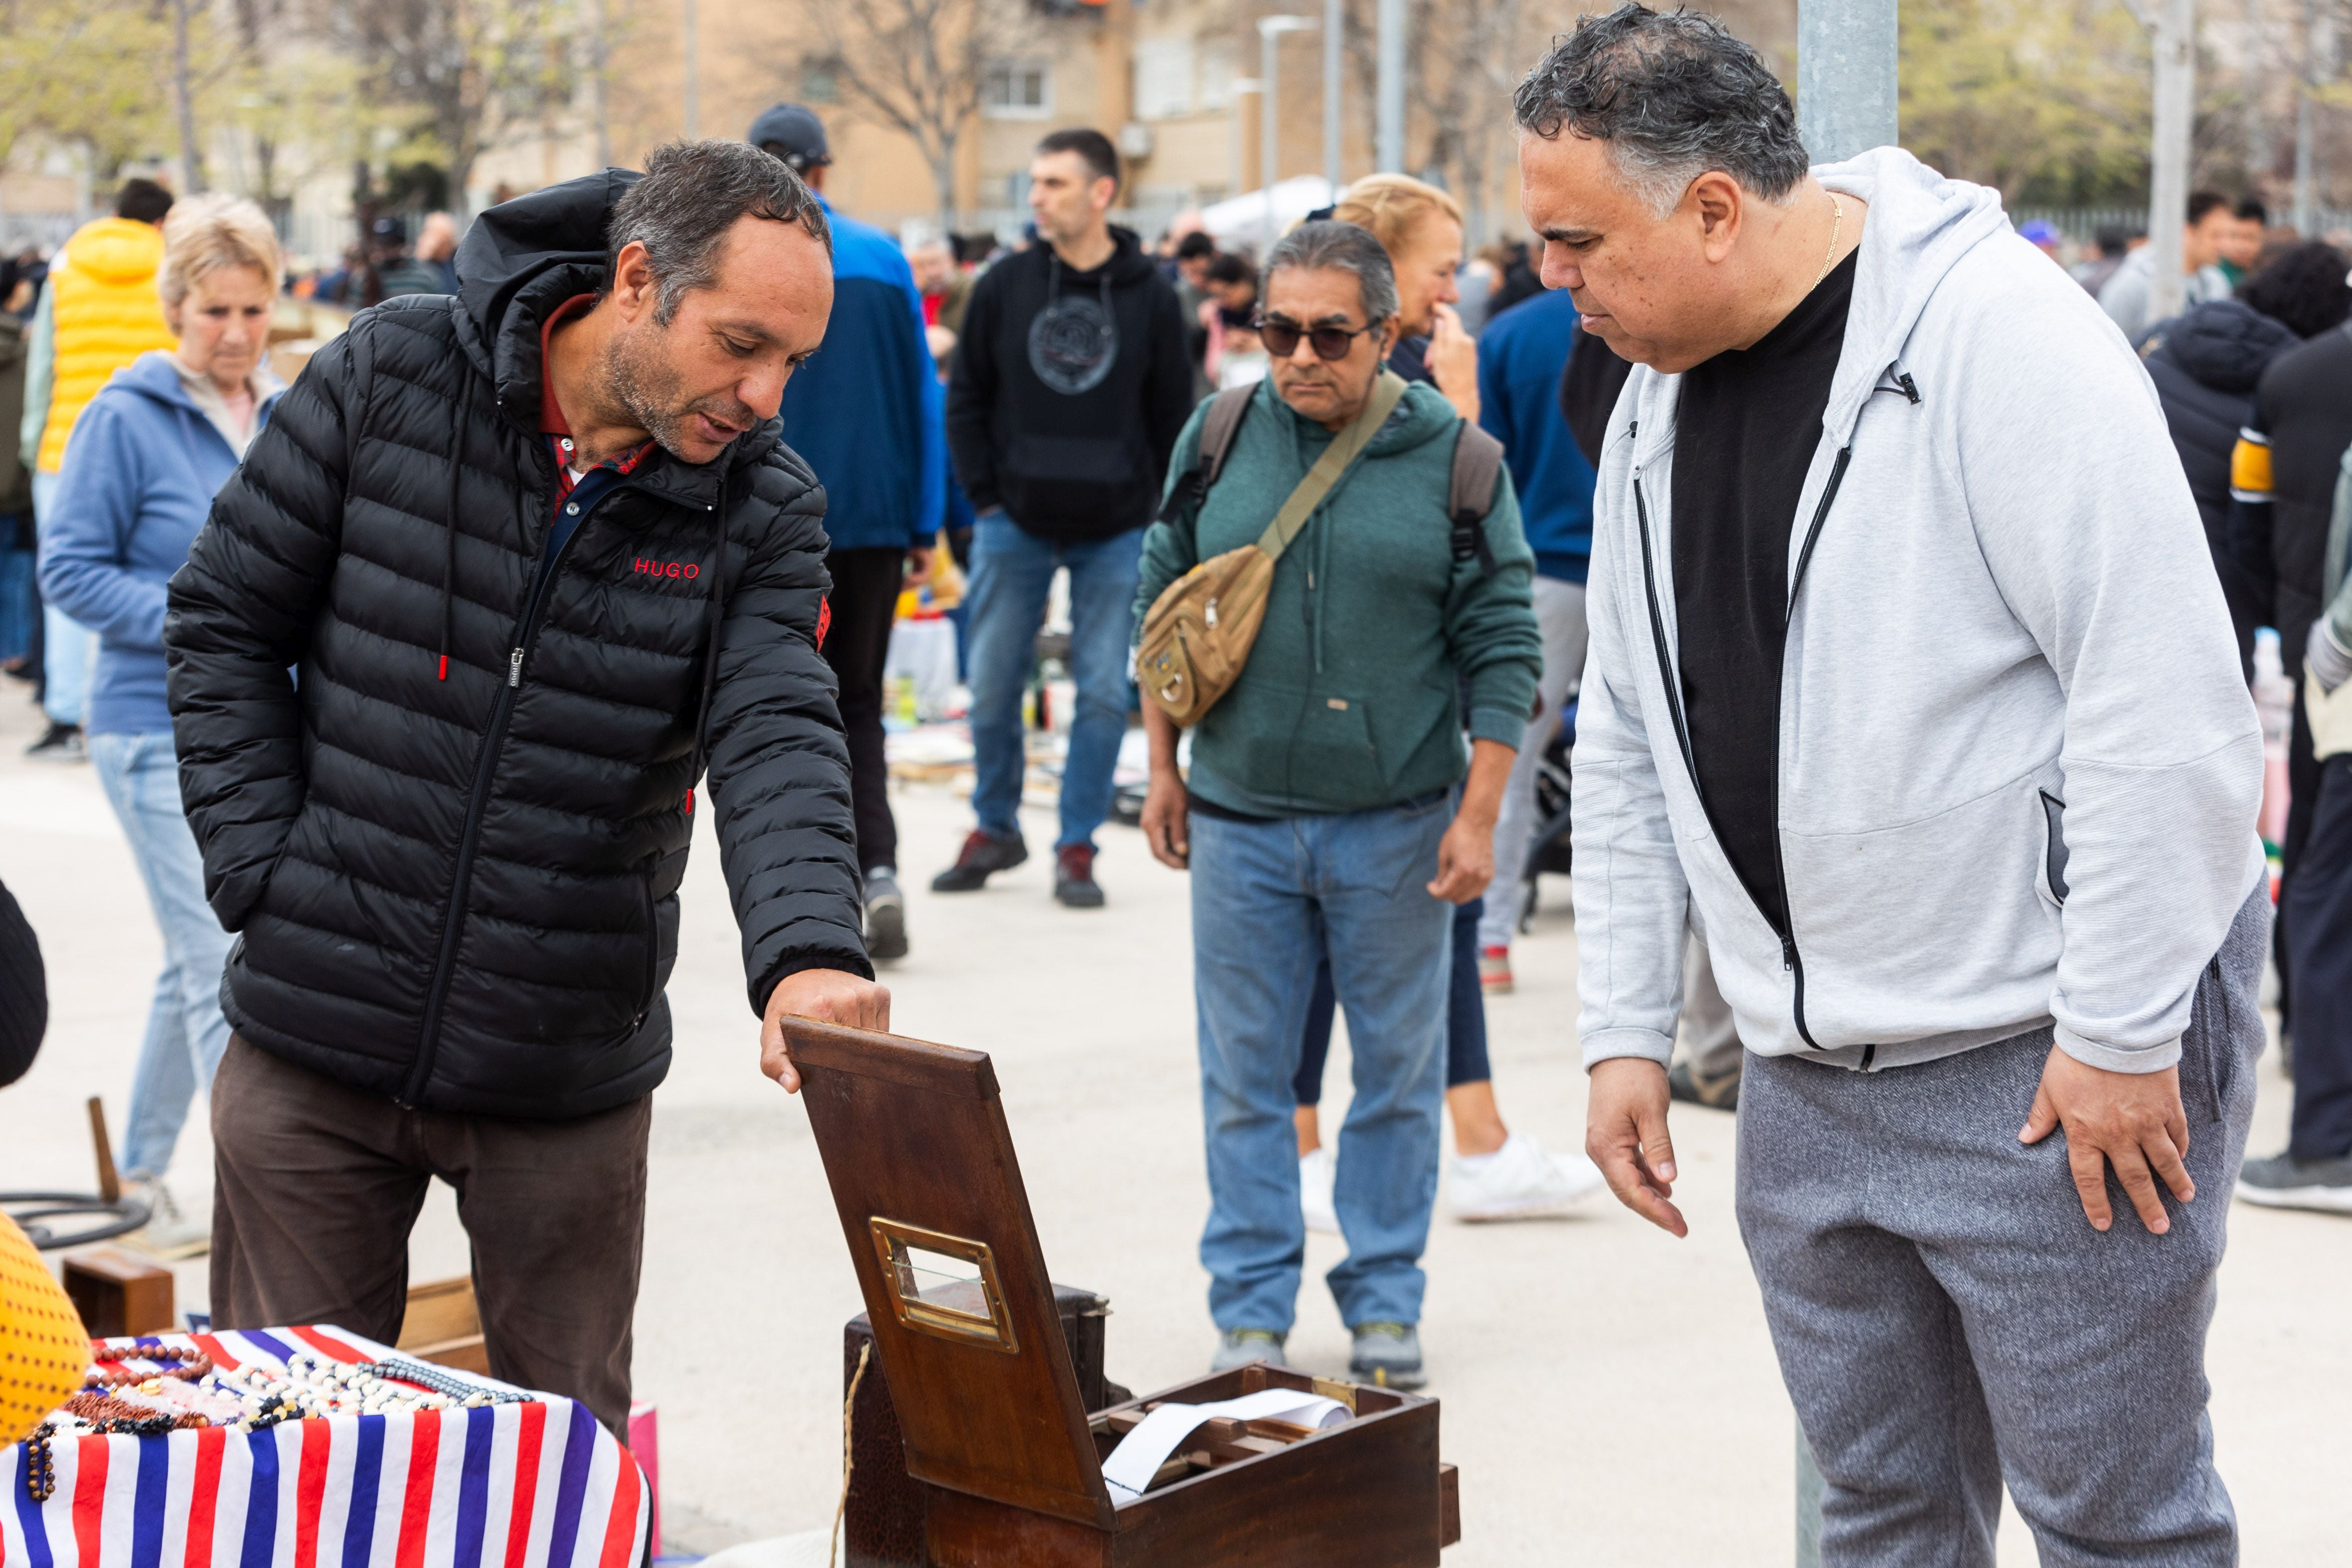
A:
<point x="1269" y="39"/>
<point x="1334" y="39"/>
<point x="1388" y="99"/>
<point x="1846" y="104"/>
<point x="1242" y="86"/>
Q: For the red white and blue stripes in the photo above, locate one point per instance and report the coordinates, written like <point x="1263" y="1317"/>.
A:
<point x="531" y="1485"/>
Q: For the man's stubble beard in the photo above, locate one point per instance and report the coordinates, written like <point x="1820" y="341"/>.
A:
<point x="637" y="378"/>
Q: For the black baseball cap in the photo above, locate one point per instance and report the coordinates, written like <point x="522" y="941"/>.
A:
<point x="793" y="133"/>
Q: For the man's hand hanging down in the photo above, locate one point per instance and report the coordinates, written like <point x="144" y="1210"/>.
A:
<point x="826" y="995"/>
<point x="2133" y="1119"/>
<point x="1625" y="1134"/>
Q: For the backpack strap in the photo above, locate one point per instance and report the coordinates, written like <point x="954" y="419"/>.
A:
<point x="1217" y="428"/>
<point x="1477" y="463"/>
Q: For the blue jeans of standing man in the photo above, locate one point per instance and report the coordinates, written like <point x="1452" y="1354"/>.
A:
<point x="185" y="1031"/>
<point x="1269" y="900"/>
<point x="1011" y="572"/>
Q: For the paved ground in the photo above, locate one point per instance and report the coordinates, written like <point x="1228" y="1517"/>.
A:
<point x="1609" y="1393"/>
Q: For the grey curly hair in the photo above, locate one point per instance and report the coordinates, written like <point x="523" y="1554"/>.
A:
<point x="1343" y="248"/>
<point x="1674" y="95"/>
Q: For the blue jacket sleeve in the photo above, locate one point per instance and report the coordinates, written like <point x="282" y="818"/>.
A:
<point x="1494" y="390"/>
<point x="85" y="537"/>
<point x="935" y="430"/>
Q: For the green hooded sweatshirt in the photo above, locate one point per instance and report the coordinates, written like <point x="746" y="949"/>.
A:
<point x="1351" y="699"/>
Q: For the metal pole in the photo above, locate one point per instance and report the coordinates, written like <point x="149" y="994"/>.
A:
<point x="2307" y="195"/>
<point x="1269" y="127"/>
<point x="1388" y="90"/>
<point x="692" y="44"/>
<point x="191" y="162"/>
<point x="2174" y="43"/>
<point x="1845" y="76"/>
<point x="1241" y="85"/>
<point x="1334" y="23"/>
<point x="1846" y="103"/>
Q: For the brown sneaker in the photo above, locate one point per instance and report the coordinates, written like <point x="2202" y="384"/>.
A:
<point x="984" y="855"/>
<point x="1073" y="877"/>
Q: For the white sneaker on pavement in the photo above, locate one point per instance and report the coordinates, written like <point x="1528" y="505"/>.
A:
<point x="1518" y="1181"/>
<point x="170" y="1232"/>
<point x="1317" y="1171"/>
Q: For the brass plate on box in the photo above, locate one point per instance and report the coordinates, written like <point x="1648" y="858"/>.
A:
<point x="942" y="1285"/>
<point x="1345" y="1393"/>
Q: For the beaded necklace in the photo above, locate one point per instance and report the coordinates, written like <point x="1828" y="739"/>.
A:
<point x="247" y="1398"/>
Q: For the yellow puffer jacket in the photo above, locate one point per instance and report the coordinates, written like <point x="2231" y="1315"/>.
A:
<point x="108" y="314"/>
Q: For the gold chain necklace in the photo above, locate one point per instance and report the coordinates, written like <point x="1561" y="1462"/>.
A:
<point x="1837" y="223"/>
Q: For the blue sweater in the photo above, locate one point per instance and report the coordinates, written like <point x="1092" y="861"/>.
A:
<point x="866" y="410"/>
<point x="1521" y="357"/>
<point x="138" y="483"/>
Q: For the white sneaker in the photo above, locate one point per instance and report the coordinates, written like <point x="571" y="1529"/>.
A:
<point x="170" y="1233"/>
<point x="1519" y="1181"/>
<point x="1315" y="1172"/>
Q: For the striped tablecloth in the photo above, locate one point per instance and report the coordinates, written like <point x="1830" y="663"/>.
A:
<point x="529" y="1485"/>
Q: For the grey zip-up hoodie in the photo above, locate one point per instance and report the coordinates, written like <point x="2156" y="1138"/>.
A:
<point x="2019" y="771"/>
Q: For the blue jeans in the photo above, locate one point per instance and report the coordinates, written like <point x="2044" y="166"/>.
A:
<point x="1269" y="900"/>
<point x="68" y="648"/>
<point x="1465" y="1015"/>
<point x="185" y="1031"/>
<point x="16" y="592"/>
<point x="1012" y="571"/>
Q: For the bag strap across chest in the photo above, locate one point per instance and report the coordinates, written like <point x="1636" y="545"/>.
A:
<point x="1477" y="462"/>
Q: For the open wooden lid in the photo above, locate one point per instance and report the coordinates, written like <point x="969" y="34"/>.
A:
<point x="923" y="1169"/>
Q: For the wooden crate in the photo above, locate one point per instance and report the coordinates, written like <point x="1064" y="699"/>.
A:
<point x="118" y="1292"/>
<point x="444" y="1325"/>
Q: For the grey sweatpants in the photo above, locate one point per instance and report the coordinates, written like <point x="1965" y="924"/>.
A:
<point x="1947" y="1320"/>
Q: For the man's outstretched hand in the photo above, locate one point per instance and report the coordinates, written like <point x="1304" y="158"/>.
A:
<point x="1625" y="1134"/>
<point x="2131" y="1119"/>
<point x="826" y="995"/>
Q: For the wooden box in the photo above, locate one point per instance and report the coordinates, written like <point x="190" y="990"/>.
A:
<point x="987" y="1398"/>
<point x="444" y="1324"/>
<point x="883" y="1513"/>
<point x="119" y="1292"/>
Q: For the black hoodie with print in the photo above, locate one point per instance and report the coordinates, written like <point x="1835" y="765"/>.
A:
<point x="1068" y="390"/>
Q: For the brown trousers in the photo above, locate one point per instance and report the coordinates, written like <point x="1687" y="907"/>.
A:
<point x="316" y="1186"/>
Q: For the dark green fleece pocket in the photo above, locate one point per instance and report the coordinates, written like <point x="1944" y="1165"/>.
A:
<point x="1318" y="748"/>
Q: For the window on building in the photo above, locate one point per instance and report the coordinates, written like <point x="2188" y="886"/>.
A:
<point x="1018" y="89"/>
<point x="820" y="79"/>
<point x="1164" y="77"/>
<point x="1216" y="76"/>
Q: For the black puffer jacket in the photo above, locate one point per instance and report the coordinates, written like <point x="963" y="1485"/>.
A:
<point x="2206" y="363"/>
<point x="461" y="892"/>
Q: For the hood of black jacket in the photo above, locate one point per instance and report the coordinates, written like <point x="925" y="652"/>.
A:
<point x="2224" y="344"/>
<point x="1129" y="266"/>
<point x="520" y="262"/>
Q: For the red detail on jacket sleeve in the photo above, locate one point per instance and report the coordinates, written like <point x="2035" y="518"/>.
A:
<point x="823" y="621"/>
<point x="445" y="666"/>
<point x="689" y="803"/>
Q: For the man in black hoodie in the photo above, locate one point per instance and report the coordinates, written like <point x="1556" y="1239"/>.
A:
<point x="1070" y="385"/>
<point x="505" y="570"/>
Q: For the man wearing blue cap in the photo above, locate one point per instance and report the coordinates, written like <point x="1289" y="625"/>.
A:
<point x="865" y="414"/>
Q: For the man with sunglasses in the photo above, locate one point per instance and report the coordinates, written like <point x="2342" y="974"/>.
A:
<point x="1331" y="803"/>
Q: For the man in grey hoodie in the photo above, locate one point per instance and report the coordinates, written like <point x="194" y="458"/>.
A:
<point x="1911" y="689"/>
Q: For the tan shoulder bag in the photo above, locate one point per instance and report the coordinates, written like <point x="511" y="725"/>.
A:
<point x="1197" y="632"/>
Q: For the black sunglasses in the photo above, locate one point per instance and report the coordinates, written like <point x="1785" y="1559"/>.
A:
<point x="1281" y="337"/>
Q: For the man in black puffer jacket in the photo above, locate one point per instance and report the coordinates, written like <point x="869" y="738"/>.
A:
<point x="503" y="572"/>
<point x="2206" y="363"/>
